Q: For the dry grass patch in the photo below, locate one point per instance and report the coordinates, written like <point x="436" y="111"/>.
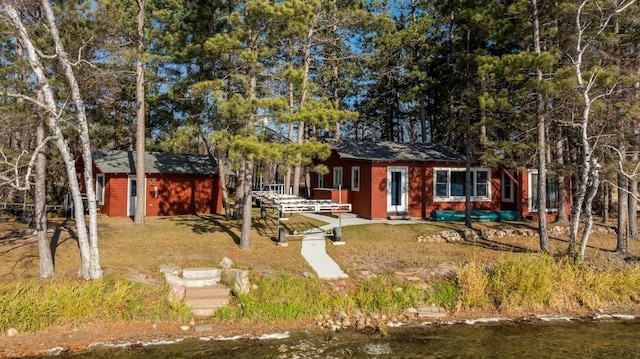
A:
<point x="136" y="251"/>
<point x="386" y="248"/>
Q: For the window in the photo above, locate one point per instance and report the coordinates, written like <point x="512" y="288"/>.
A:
<point x="552" y="191"/>
<point x="355" y="178"/>
<point x="507" y="187"/>
<point x="100" y="188"/>
<point x="450" y="184"/>
<point x="337" y="177"/>
<point x="320" y="180"/>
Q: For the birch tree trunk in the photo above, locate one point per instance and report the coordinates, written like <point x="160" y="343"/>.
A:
<point x="587" y="177"/>
<point x="90" y="267"/>
<point x="141" y="192"/>
<point x="583" y="162"/>
<point x="588" y="213"/>
<point x="95" y="271"/>
<point x="633" y="200"/>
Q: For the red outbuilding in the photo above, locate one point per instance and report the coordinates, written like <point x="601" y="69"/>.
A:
<point x="174" y="184"/>
<point x="417" y="180"/>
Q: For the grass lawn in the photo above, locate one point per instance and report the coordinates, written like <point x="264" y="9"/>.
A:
<point x="136" y="251"/>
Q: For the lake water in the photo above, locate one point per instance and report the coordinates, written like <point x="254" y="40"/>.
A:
<point x="504" y="339"/>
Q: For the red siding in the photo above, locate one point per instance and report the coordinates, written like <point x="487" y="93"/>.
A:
<point x="361" y="199"/>
<point x="378" y="191"/>
<point x="170" y="194"/>
<point x="115" y="195"/>
<point x="371" y="200"/>
<point x="552" y="215"/>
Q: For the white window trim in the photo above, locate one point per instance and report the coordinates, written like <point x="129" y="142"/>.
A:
<point x="336" y="183"/>
<point x="100" y="189"/>
<point x="512" y="192"/>
<point x="320" y="180"/>
<point x="450" y="198"/>
<point x="355" y="186"/>
<point x="530" y="193"/>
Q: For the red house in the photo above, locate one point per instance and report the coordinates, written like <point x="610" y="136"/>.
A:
<point x="174" y="184"/>
<point x="417" y="180"/>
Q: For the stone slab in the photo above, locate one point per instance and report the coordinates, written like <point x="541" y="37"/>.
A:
<point x="204" y="328"/>
<point x="200" y="282"/>
<point x="203" y="272"/>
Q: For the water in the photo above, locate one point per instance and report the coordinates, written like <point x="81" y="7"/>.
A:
<point x="558" y="339"/>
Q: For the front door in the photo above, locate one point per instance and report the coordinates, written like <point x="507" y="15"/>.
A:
<point x="133" y="188"/>
<point x="397" y="189"/>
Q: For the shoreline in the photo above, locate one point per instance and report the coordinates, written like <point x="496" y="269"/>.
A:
<point x="68" y="340"/>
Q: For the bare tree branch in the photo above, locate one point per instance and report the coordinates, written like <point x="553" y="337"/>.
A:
<point x="15" y="167"/>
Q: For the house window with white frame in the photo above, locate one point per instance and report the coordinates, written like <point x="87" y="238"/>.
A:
<point x="100" y="188"/>
<point x="450" y="184"/>
<point x="508" y="186"/>
<point x="552" y="189"/>
<point x="337" y="177"/>
<point x="320" y="180"/>
<point x="355" y="178"/>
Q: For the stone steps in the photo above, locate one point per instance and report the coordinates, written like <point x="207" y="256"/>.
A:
<point x="204" y="293"/>
<point x="394" y="216"/>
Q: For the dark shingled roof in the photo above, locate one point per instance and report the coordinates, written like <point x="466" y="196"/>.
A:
<point x="395" y="152"/>
<point x="115" y="161"/>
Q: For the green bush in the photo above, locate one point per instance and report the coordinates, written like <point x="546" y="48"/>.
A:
<point x="283" y="298"/>
<point x="386" y="293"/>
<point x="444" y="295"/>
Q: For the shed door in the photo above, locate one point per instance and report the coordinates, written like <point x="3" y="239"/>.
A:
<point x="397" y="189"/>
<point x="133" y="187"/>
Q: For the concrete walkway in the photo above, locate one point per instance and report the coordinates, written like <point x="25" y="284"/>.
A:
<point x="314" y="251"/>
<point x="314" y="243"/>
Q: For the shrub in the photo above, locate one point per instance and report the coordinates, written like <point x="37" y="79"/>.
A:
<point x="473" y="282"/>
<point x="523" y="282"/>
<point x="444" y="295"/>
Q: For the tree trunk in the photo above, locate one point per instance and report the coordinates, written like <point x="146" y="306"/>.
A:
<point x="245" y="235"/>
<point x="562" y="198"/>
<point x="467" y="180"/>
<point x="623" y="212"/>
<point x="542" y="144"/>
<point x="221" y="158"/>
<point x="240" y="189"/>
<point x="50" y="104"/>
<point x="605" y="202"/>
<point x="248" y="158"/>
<point x="141" y="192"/>
<point x="289" y="173"/>
<point x="44" y="245"/>
<point x="306" y="67"/>
<point x="95" y="271"/>
<point x="588" y="206"/>
<point x="633" y="202"/>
